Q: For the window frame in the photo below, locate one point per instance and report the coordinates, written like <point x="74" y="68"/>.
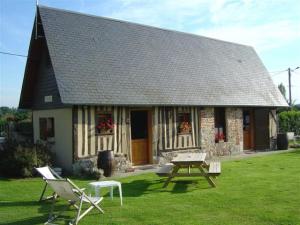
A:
<point x="46" y="128"/>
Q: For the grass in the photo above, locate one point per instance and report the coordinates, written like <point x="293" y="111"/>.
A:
<point x="259" y="190"/>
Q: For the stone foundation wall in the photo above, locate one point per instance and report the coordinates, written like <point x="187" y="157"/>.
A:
<point x="88" y="166"/>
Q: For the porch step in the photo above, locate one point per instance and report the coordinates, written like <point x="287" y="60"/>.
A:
<point x="144" y="167"/>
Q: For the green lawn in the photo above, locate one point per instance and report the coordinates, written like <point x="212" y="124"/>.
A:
<point x="259" y="190"/>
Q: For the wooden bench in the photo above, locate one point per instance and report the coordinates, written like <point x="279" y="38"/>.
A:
<point x="165" y="170"/>
<point x="214" y="168"/>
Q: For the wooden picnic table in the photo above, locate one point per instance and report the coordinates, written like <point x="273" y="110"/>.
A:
<point x="189" y="161"/>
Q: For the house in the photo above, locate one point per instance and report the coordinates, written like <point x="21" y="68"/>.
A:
<point x="97" y="84"/>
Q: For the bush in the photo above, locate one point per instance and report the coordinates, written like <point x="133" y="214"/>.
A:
<point x="19" y="159"/>
<point x="24" y="128"/>
<point x="289" y="121"/>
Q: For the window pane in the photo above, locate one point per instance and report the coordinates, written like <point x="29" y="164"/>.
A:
<point x="46" y="128"/>
<point x="50" y="127"/>
<point x="220" y="125"/>
<point x="43" y="128"/>
<point x="139" y="125"/>
<point x="246" y="120"/>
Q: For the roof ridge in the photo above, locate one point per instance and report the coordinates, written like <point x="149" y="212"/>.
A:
<point x="139" y="24"/>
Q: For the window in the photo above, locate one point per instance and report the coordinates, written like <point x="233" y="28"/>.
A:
<point x="46" y="128"/>
<point x="220" y="125"/>
<point x="246" y="120"/>
<point x="104" y="123"/>
<point x="184" y="123"/>
<point x="139" y="125"/>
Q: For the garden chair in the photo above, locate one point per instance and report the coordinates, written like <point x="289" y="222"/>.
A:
<point x="47" y="174"/>
<point x="67" y="190"/>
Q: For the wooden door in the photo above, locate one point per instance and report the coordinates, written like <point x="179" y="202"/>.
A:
<point x="248" y="129"/>
<point x="139" y="137"/>
<point x="261" y="131"/>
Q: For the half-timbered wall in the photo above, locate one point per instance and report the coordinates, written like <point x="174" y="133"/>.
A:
<point x="165" y="129"/>
<point x="87" y="143"/>
<point x="165" y="135"/>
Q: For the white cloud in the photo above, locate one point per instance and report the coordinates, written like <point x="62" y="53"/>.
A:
<point x="175" y="14"/>
<point x="263" y="36"/>
<point x="247" y="21"/>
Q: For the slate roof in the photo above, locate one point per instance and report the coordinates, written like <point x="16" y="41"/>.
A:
<point x="103" y="61"/>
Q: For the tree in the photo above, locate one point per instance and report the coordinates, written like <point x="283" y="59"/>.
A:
<point x="289" y="121"/>
<point x="282" y="89"/>
<point x="13" y="114"/>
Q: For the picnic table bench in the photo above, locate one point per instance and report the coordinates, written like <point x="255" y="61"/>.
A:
<point x="165" y="170"/>
<point x="214" y="168"/>
<point x="189" y="161"/>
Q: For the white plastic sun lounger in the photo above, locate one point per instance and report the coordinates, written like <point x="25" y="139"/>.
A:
<point x="47" y="174"/>
<point x="67" y="190"/>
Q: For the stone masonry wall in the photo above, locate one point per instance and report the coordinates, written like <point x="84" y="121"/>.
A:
<point x="234" y="132"/>
<point x="207" y="129"/>
<point x="234" y="128"/>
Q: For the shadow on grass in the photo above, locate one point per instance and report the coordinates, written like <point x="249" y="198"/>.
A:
<point x="5" y="179"/>
<point x="138" y="188"/>
<point x="182" y="186"/>
<point x="43" y="209"/>
<point x="23" y="203"/>
<point x="41" y="220"/>
<point x="32" y="220"/>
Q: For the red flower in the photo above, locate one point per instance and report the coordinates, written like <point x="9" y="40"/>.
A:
<point x="105" y="124"/>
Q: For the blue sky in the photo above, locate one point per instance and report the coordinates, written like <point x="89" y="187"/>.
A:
<point x="272" y="27"/>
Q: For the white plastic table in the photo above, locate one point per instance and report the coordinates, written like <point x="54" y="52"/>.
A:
<point x="109" y="183"/>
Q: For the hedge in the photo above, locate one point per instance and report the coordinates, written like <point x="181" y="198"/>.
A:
<point x="289" y="121"/>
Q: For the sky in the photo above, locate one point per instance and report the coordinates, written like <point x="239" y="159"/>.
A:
<point x="272" y="27"/>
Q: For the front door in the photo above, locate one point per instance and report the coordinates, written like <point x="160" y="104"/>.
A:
<point x="248" y="129"/>
<point x="139" y="137"/>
